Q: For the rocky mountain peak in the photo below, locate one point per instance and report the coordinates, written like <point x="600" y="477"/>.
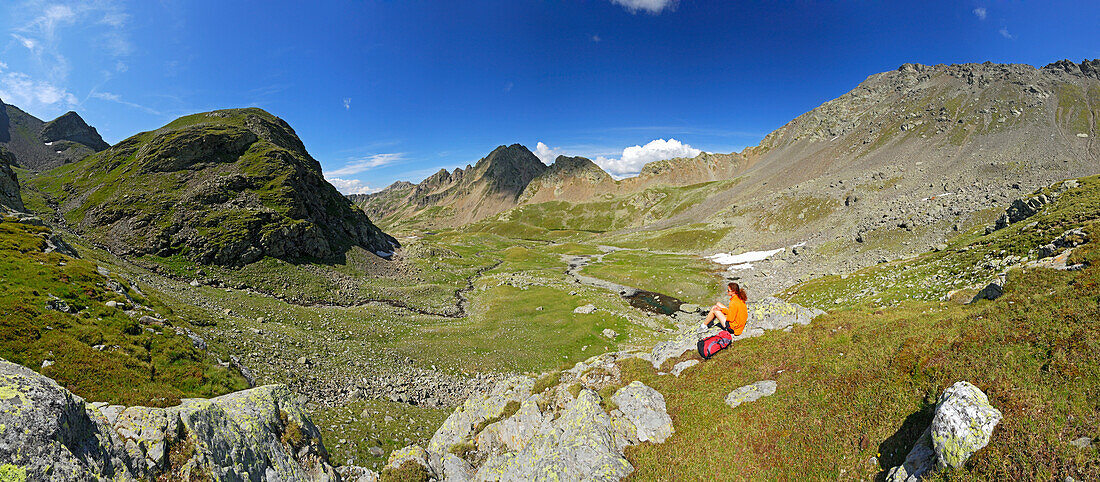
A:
<point x="71" y="127"/>
<point x="41" y="145"/>
<point x="1087" y="68"/>
<point x="225" y="187"/>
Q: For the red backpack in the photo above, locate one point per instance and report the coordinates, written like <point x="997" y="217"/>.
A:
<point x="713" y="344"/>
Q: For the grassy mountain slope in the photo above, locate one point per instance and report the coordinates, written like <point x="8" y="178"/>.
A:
<point x="64" y="317"/>
<point x="856" y="387"/>
<point x="225" y="187"/>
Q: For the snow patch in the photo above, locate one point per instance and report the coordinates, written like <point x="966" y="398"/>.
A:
<point x="749" y="257"/>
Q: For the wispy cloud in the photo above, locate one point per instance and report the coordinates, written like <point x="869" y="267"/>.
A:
<point x="351" y="186"/>
<point x="347" y="103"/>
<point x="547" y="154"/>
<point x="653" y="7"/>
<point x="367" y="163"/>
<point x="43" y="28"/>
<point x="633" y="158"/>
<point x="981" y="13"/>
<point x="107" y="96"/>
<point x="596" y="38"/>
<point x="1004" y="33"/>
<point x="508" y="86"/>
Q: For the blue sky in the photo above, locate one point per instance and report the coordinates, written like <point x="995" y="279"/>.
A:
<point x="395" y="90"/>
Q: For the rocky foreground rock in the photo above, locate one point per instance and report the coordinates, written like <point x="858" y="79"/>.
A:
<point x="261" y="434"/>
<point x="513" y="433"/>
<point x="962" y="425"/>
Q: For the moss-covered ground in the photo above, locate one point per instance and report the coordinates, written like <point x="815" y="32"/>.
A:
<point x="55" y="318"/>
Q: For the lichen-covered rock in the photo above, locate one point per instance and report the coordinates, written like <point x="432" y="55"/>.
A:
<point x="684" y="365"/>
<point x="963" y="424"/>
<point x="47" y="433"/>
<point x="412" y="453"/>
<point x="920" y="461"/>
<point x="517" y="430"/>
<point x="256" y="434"/>
<point x="147" y="432"/>
<point x="580" y="445"/>
<point x="645" y="408"/>
<point x="460" y="425"/>
<point x="751" y="393"/>
<point x="457" y="469"/>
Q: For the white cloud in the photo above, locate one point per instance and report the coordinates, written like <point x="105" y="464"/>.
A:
<point x="651" y="6"/>
<point x="1004" y="33"/>
<point x="351" y="186"/>
<point x="981" y="13"/>
<point x="546" y="154"/>
<point x="347" y="103"/>
<point x="635" y="157"/>
<point x="596" y="38"/>
<point x="508" y="86"/>
<point x="19" y="89"/>
<point x="367" y="163"/>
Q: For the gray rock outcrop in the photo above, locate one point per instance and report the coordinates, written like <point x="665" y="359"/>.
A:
<point x="552" y="435"/>
<point x="10" y="198"/>
<point x="645" y="408"/>
<point x="962" y="425"/>
<point x="47" y="433"/>
<point x="261" y="434"/>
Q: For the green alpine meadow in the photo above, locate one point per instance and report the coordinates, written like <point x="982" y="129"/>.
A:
<point x="435" y="242"/>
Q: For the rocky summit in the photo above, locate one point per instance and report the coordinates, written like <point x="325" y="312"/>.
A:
<point x="225" y="187"/>
<point x="490" y="186"/>
<point x="42" y="145"/>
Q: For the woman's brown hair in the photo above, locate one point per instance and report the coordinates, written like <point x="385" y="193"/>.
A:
<point x="739" y="291"/>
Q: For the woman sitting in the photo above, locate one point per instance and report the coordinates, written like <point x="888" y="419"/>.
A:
<point x="733" y="317"/>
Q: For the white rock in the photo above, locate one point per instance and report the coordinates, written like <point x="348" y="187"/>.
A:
<point x="963" y="424"/>
<point x="751" y="393"/>
<point x="609" y="333"/>
<point x="584" y="310"/>
<point x="645" y="408"/>
<point x="684" y="365"/>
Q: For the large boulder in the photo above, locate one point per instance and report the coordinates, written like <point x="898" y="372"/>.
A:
<point x="580" y="445"/>
<point x="256" y="434"/>
<point x="963" y="424"/>
<point x="47" y="433"/>
<point x="645" y="408"/>
<point x="467" y="420"/>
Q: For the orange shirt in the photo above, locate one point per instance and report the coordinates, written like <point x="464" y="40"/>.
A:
<point x="737" y="315"/>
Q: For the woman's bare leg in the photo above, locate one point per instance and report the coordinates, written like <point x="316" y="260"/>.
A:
<point x="721" y="319"/>
<point x="712" y="314"/>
